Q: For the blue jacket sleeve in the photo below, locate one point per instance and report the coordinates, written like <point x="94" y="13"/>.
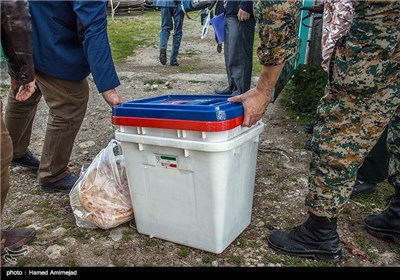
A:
<point x="246" y="6"/>
<point x="92" y="27"/>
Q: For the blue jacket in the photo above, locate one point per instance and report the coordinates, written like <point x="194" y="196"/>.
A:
<point x="165" y="3"/>
<point x="233" y="6"/>
<point x="70" y="41"/>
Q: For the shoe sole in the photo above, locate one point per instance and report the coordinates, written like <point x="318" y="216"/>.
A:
<point x="24" y="165"/>
<point x="394" y="235"/>
<point x="319" y="256"/>
<point x="48" y="189"/>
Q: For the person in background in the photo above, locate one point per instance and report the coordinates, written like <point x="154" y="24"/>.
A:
<point x="238" y="46"/>
<point x="69" y="42"/>
<point x="362" y="98"/>
<point x="17" y="44"/>
<point x="171" y="18"/>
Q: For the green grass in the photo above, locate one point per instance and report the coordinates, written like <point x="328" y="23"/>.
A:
<point x="395" y="248"/>
<point x="77" y="233"/>
<point x="44" y="203"/>
<point x="272" y="258"/>
<point x="67" y="225"/>
<point x="207" y="259"/>
<point x="190" y="53"/>
<point x="346" y="211"/>
<point x="186" y="68"/>
<point x="184" y="252"/>
<point x="273" y="197"/>
<point x="126" y="235"/>
<point x="25" y="224"/>
<point x="365" y="245"/>
<point x="235" y="260"/>
<point x="120" y="263"/>
<point x="300" y="262"/>
<point x="23" y="261"/>
<point x="154" y="82"/>
<point x="126" y="34"/>
<point x="150" y="242"/>
<point x="376" y="200"/>
<point x="70" y="261"/>
<point x="197" y="82"/>
<point x="37" y="192"/>
<point x="98" y="252"/>
<point x="298" y="145"/>
<point x="19" y="211"/>
<point x="241" y="242"/>
<point x="60" y="242"/>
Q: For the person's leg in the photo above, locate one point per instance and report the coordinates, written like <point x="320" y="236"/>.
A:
<point x="19" y="118"/>
<point x="354" y="113"/>
<point x="6" y="153"/>
<point x="166" y="27"/>
<point x="177" y="38"/>
<point x="374" y="168"/>
<point x="67" y="101"/>
<point x="350" y="119"/>
<point x="15" y="238"/>
<point x="230" y="40"/>
<point x="239" y="39"/>
<point x="243" y="71"/>
<point x="387" y="223"/>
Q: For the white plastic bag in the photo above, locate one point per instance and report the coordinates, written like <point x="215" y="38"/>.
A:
<point x="204" y="32"/>
<point x="100" y="197"/>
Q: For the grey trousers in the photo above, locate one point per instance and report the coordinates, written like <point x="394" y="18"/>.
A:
<point x="67" y="102"/>
<point x="238" y="51"/>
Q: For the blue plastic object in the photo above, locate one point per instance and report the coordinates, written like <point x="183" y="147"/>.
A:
<point x="181" y="107"/>
<point x="218" y="23"/>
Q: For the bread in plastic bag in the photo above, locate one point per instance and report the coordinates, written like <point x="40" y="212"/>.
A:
<point x="100" y="197"/>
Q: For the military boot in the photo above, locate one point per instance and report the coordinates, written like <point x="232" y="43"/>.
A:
<point x="387" y="223"/>
<point x="316" y="238"/>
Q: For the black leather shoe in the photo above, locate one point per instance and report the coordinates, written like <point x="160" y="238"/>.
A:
<point x="219" y="48"/>
<point x="386" y="224"/>
<point x="309" y="128"/>
<point x="28" y="161"/>
<point x="63" y="185"/>
<point x="226" y="90"/>
<point x="174" y="63"/>
<point x="163" y="56"/>
<point x="362" y="188"/>
<point x="316" y="238"/>
<point x="14" y="239"/>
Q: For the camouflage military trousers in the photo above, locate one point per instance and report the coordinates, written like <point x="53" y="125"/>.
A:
<point x="362" y="97"/>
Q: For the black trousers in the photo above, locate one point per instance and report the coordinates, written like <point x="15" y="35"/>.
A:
<point x="375" y="167"/>
<point x="238" y="52"/>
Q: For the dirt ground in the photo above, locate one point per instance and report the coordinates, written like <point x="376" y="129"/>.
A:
<point x="280" y="184"/>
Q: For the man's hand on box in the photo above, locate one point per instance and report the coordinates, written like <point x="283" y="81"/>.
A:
<point x="112" y="97"/>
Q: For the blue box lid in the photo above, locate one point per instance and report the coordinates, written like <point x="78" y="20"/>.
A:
<point x="181" y="107"/>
